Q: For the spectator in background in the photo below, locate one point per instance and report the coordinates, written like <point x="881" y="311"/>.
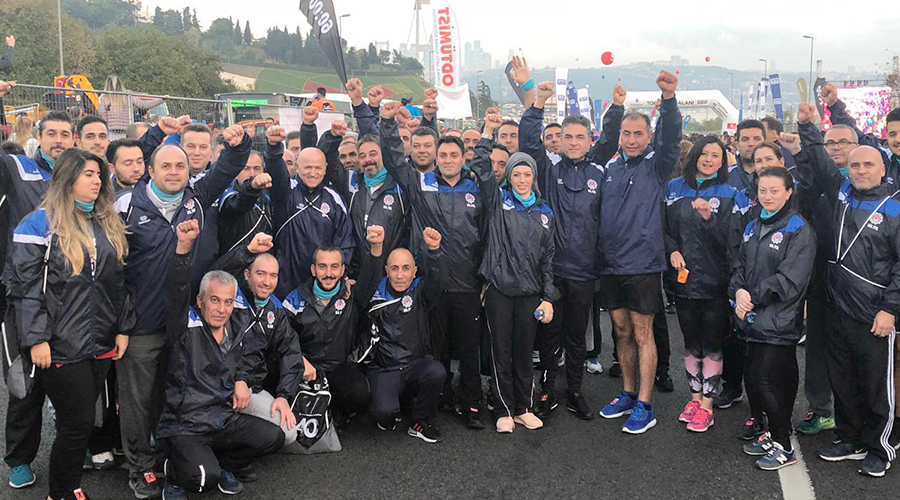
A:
<point x="126" y="160"/>
<point x="552" y="137"/>
<point x="218" y="144"/>
<point x="508" y="136"/>
<point x="23" y="137"/>
<point x="321" y="103"/>
<point x="686" y="146"/>
<point x="6" y="62"/>
<point x="413" y="110"/>
<point x="774" y="128"/>
<point x="91" y="134"/>
<point x="136" y="130"/>
<point x="114" y="108"/>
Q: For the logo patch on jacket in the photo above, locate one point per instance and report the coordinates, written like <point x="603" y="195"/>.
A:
<point x="270" y="318"/>
<point x="388" y="201"/>
<point x="714" y="204"/>
<point x="545" y="221"/>
<point x="325" y="209"/>
<point x="877" y="219"/>
<point x="407" y="303"/>
<point x="143" y="220"/>
<point x="592" y="186"/>
<point x="470" y="200"/>
<point x="339" y="306"/>
<point x="777" y="238"/>
<point x="189" y="205"/>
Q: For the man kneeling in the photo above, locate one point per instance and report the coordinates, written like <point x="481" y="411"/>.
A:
<point x="209" y="442"/>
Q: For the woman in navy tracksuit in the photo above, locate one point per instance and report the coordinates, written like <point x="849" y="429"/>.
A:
<point x="768" y="287"/>
<point x="701" y="235"/>
<point x="518" y="267"/>
<point x="70" y="310"/>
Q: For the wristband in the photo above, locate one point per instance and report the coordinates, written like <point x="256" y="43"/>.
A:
<point x="528" y="85"/>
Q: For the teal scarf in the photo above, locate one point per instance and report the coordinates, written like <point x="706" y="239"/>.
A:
<point x="325" y="295"/>
<point x="766" y="215"/>
<point x="845" y="171"/>
<point x="701" y="180"/>
<point x="85" y="207"/>
<point x="374" y="180"/>
<point x="165" y="196"/>
<point x="260" y="303"/>
<point x="50" y="161"/>
<point x="528" y="202"/>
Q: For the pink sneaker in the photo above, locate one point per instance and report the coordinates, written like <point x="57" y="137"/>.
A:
<point x="703" y="420"/>
<point x="689" y="409"/>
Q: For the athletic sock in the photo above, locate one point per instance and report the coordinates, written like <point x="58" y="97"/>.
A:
<point x="647" y="406"/>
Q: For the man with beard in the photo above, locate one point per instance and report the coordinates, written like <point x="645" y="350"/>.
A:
<point x="126" y="160"/>
<point x="470" y="138"/>
<point x="92" y="135"/>
<point x="349" y="156"/>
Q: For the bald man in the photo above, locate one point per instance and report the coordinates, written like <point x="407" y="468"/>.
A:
<point x="864" y="281"/>
<point x="307" y="213"/>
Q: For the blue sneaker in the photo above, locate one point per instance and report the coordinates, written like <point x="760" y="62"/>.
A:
<point x="21" y="476"/>
<point x="228" y="484"/>
<point x="760" y="447"/>
<point x="776" y="458"/>
<point x="622" y="404"/>
<point x="172" y="492"/>
<point x="640" y="421"/>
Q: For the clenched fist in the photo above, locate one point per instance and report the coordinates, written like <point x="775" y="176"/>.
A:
<point x="261" y="181"/>
<point x="545" y="90"/>
<point x="390" y="109"/>
<point x="432" y="238"/>
<point x="667" y="82"/>
<point x="187" y="231"/>
<point x="619" y="95"/>
<point x="429" y="108"/>
<point x="275" y="134"/>
<point x="354" y="90"/>
<point x="376" y="95"/>
<point x="492" y="122"/>
<point x="806" y="113"/>
<point x="260" y="243"/>
<point x="375" y="235"/>
<point x="829" y="94"/>
<point x="310" y="115"/>
<point x="431" y="93"/>
<point x="791" y="142"/>
<point x="234" y="135"/>
<point x="338" y="128"/>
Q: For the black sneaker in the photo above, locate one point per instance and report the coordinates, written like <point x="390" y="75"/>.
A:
<point x="615" y="371"/>
<point x="425" y="431"/>
<point x="146" y="486"/>
<point x="546" y="404"/>
<point x="472" y="418"/>
<point x="576" y="404"/>
<point x="839" y="451"/>
<point x="728" y="398"/>
<point x="228" y="484"/>
<point x="664" y="382"/>
<point x="246" y="474"/>
<point x="387" y="425"/>
<point x="873" y="466"/>
<point x="752" y="429"/>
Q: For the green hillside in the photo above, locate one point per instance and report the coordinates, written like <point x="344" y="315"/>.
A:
<point x="295" y="80"/>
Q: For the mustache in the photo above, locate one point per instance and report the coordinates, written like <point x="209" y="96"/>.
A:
<point x="370" y="164"/>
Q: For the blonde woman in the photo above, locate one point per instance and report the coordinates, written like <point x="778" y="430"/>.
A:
<point x="114" y="107"/>
<point x="66" y="286"/>
<point x="23" y="136"/>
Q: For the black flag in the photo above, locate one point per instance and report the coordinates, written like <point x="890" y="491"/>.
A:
<point x="320" y="15"/>
<point x="512" y="83"/>
<point x="817" y="95"/>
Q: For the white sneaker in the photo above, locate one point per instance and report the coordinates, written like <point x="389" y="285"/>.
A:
<point x="103" y="460"/>
<point x="593" y="366"/>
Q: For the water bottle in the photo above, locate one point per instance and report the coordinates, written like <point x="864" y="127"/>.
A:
<point x="539" y="314"/>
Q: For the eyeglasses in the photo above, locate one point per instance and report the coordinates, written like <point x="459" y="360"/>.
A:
<point x="842" y="143"/>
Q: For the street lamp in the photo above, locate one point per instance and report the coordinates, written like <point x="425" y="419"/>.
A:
<point x="62" y="70"/>
<point x="810" y="83"/>
<point x="341" y="24"/>
<point x="766" y="68"/>
<point x="732" y="86"/>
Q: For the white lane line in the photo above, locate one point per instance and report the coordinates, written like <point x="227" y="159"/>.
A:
<point x="795" y="482"/>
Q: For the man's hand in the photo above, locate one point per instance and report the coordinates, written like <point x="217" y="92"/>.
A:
<point x="743" y="303"/>
<point x="492" y="122"/>
<point x="883" y="324"/>
<point x="548" y="312"/>
<point x="169" y="125"/>
<point x="309" y="371"/>
<point x="431" y="93"/>
<point x="260" y="243"/>
<point x="520" y="72"/>
<point x="288" y="420"/>
<point x="5" y="87"/>
<point x="390" y="110"/>
<point x="11" y="41"/>
<point x="121" y="346"/>
<point x="667" y="82"/>
<point x="354" y="90"/>
<point x="619" y="95"/>
<point x="234" y="135"/>
<point x="375" y="237"/>
<point x="348" y="287"/>
<point x="829" y="94"/>
<point x="702" y="207"/>
<point x="338" y="128"/>
<point x="376" y="95"/>
<point x="791" y="142"/>
<point x="412" y="124"/>
<point x="429" y="108"/>
<point x="806" y="113"/>
<point x="275" y="134"/>
<point x="261" y="181"/>
<point x="310" y="115"/>
<point x="241" y="397"/>
<point x="186" y="232"/>
<point x="432" y="238"/>
<point x="545" y="90"/>
<point x="677" y="260"/>
<point x="40" y="355"/>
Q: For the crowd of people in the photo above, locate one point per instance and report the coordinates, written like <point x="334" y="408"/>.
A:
<point x="171" y="291"/>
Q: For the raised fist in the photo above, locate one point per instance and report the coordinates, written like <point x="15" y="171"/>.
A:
<point x="829" y="94"/>
<point x="545" y="90"/>
<point x="390" y="109"/>
<point x="429" y="108"/>
<point x="168" y="125"/>
<point x="493" y="110"/>
<point x="492" y="122"/>
<point x="338" y="128"/>
<point x="261" y="181"/>
<point x="432" y="238"/>
<point x="275" y="134"/>
<point x="234" y="135"/>
<point x="520" y="71"/>
<point x="667" y="82"/>
<point x="5" y="87"/>
<point x="431" y="93"/>
<point x="413" y="124"/>
<point x="619" y="95"/>
<point x="375" y="235"/>
<point x="791" y="142"/>
<point x="310" y="115"/>
<point x="260" y="243"/>
<point x="376" y="95"/>
<point x="187" y="231"/>
<point x="806" y="113"/>
<point x="354" y="90"/>
<point x="404" y="116"/>
<point x="184" y="121"/>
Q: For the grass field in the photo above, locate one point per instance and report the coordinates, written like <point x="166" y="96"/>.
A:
<point x="289" y="80"/>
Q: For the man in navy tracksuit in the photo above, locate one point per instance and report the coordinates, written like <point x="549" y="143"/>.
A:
<point x="245" y="209"/>
<point x="151" y="211"/>
<point x="307" y="212"/>
<point x="632" y="249"/>
<point x="864" y="282"/>
<point x="571" y="183"/>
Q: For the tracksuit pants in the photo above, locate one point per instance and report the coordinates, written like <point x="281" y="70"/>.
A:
<point x="772" y="379"/>
<point x="419" y="383"/>
<point x="733" y="358"/>
<point x="704" y="323"/>
<point x="861" y="370"/>
<point x="103" y="439"/>
<point x="820" y="318"/>
<point x="141" y="378"/>
<point x="196" y="462"/>
<point x="73" y="390"/>
<point x="512" y="328"/>
<point x="260" y="406"/>
<point x="349" y="388"/>
<point x="23" y="425"/>
<point x="454" y="326"/>
<point x="570" y="319"/>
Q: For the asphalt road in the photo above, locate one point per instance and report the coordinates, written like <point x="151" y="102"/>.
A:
<point x="569" y="458"/>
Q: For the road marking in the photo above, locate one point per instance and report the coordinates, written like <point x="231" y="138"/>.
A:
<point x="795" y="482"/>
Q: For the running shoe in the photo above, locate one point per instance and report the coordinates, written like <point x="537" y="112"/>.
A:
<point x="664" y="382"/>
<point x="702" y="421"/>
<point x="873" y="466"/>
<point x="621" y="405"/>
<point x="529" y="421"/>
<point x="689" y="409"/>
<point x="839" y="451"/>
<point x="752" y="429"/>
<point x="593" y="366"/>
<point x="814" y="424"/>
<point x="728" y="398"/>
<point x="505" y="425"/>
<point x="425" y="431"/>
<point x="640" y="421"/>
<point x="776" y="458"/>
<point x="576" y="404"/>
<point x="145" y="486"/>
<point x="228" y="484"/>
<point x="759" y="447"/>
<point x="546" y="403"/>
<point x="172" y="492"/>
<point x="21" y="476"/>
<point x="103" y="461"/>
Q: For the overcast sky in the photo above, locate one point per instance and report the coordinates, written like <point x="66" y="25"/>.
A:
<point x="732" y="34"/>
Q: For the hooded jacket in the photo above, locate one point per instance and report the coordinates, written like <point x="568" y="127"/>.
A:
<point x="774" y="265"/>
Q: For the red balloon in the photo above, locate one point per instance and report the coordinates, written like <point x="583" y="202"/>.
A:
<point x="707" y="58"/>
<point x="677" y="72"/>
<point x="607" y="58"/>
<point x="620" y="79"/>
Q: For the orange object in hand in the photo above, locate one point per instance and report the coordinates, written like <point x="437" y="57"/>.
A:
<point x="683" y="276"/>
